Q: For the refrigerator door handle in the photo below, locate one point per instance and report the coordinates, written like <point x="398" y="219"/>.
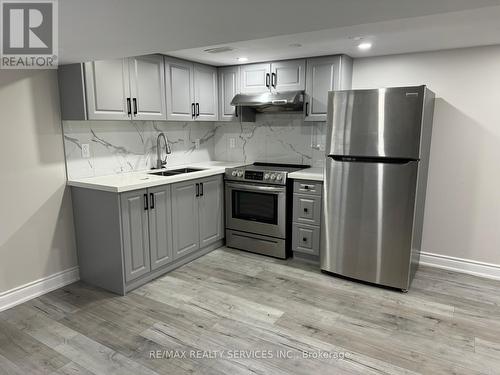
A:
<point x="365" y="159"/>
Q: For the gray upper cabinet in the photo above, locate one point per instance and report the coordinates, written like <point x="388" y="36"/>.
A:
<point x="229" y="86"/>
<point x="191" y="91"/>
<point x="179" y="78"/>
<point x="147" y="87"/>
<point x="325" y="74"/>
<point x="134" y="212"/>
<point x="288" y="75"/>
<point x="186" y="218"/>
<point x="121" y="89"/>
<point x="160" y="226"/>
<point x="108" y="89"/>
<point x="211" y="212"/>
<point x="255" y="78"/>
<point x="277" y="76"/>
<point x="205" y="92"/>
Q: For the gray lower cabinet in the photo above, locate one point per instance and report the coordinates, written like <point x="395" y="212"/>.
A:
<point x="186" y="226"/>
<point x="306" y="226"/>
<point x="135" y="226"/>
<point x="160" y="226"/>
<point x="125" y="240"/>
<point x="306" y="239"/>
<point x="211" y="210"/>
<point x="197" y="213"/>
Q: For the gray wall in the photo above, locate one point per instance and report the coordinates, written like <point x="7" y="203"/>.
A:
<point x="462" y="214"/>
<point x="36" y="219"/>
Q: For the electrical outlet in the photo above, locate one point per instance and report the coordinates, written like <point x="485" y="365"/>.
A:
<point x="232" y="142"/>
<point x="85" y="150"/>
<point x="197" y="143"/>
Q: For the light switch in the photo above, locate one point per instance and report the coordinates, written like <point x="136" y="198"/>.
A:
<point x="232" y="142"/>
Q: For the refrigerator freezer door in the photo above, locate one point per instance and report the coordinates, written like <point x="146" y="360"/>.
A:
<point x="367" y="220"/>
<point x="381" y="122"/>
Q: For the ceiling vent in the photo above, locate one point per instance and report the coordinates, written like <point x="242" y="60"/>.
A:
<point x="219" y="49"/>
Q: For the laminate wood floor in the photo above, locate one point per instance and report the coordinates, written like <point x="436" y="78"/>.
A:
<point x="233" y="312"/>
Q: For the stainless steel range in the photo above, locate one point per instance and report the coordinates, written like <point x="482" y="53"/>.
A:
<point x="258" y="208"/>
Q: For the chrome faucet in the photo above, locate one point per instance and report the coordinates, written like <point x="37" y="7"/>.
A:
<point x="160" y="163"/>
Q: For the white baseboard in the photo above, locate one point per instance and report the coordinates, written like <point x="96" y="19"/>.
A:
<point x="36" y="288"/>
<point x="471" y="267"/>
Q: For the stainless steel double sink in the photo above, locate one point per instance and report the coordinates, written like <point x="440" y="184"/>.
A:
<point x="175" y="172"/>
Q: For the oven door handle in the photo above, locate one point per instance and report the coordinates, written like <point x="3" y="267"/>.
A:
<point x="270" y="189"/>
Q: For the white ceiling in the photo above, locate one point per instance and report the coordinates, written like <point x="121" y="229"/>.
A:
<point x="264" y="29"/>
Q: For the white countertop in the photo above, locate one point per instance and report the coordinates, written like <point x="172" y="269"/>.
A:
<point x="314" y="174"/>
<point x="120" y="183"/>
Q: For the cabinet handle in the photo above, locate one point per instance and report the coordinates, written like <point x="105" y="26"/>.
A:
<point x="193" y="113"/>
<point x="268" y="78"/>
<point x="152" y="198"/>
<point x="307" y="109"/>
<point x="197" y="190"/>
<point x="306" y="187"/>
<point x="145" y="202"/>
<point x="305" y="210"/>
<point x="129" y="107"/>
<point x="304" y="239"/>
<point x="201" y="190"/>
<point x="197" y="109"/>
<point x="273" y="79"/>
<point x="135" y="106"/>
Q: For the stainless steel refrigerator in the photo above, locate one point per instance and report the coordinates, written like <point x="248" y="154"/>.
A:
<point x="377" y="157"/>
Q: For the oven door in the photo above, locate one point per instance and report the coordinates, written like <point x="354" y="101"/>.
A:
<point x="256" y="208"/>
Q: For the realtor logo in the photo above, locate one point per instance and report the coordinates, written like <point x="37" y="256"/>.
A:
<point x="29" y="34"/>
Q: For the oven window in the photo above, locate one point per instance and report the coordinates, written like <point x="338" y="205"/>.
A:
<point x="252" y="206"/>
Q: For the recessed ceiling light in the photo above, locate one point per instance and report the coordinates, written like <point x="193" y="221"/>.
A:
<point x="365" y="46"/>
<point x="242" y="59"/>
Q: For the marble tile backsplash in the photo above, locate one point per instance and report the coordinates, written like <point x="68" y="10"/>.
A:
<point x="278" y="138"/>
<point x="124" y="146"/>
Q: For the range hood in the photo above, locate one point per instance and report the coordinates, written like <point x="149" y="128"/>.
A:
<point x="271" y="102"/>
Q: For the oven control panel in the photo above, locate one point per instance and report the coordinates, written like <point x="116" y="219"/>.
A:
<point x="268" y="177"/>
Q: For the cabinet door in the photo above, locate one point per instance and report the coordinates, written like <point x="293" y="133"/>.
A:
<point x="205" y="92"/>
<point x="179" y="83"/>
<point x="147" y="87"/>
<point x="288" y="75"/>
<point x="108" y="89"/>
<point x="160" y="226"/>
<point x="255" y="78"/>
<point x="185" y="218"/>
<point x="229" y="86"/>
<point x="135" y="232"/>
<point x="211" y="210"/>
<point x="322" y="75"/>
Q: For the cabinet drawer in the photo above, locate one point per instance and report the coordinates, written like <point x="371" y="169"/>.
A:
<point x="307" y="187"/>
<point x="307" y="209"/>
<point x="305" y="239"/>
